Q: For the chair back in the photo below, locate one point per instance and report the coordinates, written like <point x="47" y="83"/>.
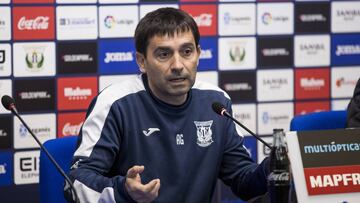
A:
<point x="51" y="181"/>
<point x="324" y="120"/>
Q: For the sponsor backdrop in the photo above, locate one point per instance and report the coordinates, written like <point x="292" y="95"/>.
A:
<point x="275" y="59"/>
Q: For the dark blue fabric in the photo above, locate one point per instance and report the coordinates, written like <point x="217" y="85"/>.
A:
<point x="324" y="120"/>
<point x="188" y="173"/>
<point x="51" y="181"/>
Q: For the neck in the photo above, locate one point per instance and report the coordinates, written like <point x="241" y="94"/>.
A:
<point x="167" y="99"/>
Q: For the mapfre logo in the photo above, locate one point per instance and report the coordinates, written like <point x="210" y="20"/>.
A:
<point x="205" y="17"/>
<point x="70" y="123"/>
<point x="76" y="93"/>
<point x="312" y="83"/>
<point x="31" y="23"/>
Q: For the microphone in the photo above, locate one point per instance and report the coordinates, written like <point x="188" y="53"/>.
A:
<point x="9" y="104"/>
<point x="221" y="110"/>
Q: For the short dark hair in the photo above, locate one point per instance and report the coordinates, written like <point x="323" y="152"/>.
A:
<point x="164" y="21"/>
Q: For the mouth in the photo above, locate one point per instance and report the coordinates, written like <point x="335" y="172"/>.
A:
<point x="177" y="80"/>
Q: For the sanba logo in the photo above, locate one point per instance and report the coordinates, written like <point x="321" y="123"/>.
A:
<point x="312" y="48"/>
<point x="38" y="23"/>
<point x="203" y="20"/>
<point x="348" y="14"/>
<point x="312" y="83"/>
<point x="118" y="56"/>
<point x="77" y="93"/>
<point x="347" y="49"/>
<point x="34" y="95"/>
<point x="242" y="116"/>
<point x="275" y="83"/>
<point x="69" y="129"/>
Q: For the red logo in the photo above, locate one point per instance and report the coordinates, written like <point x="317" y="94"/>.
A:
<point x="76" y="93"/>
<point x="312" y="83"/>
<point x="309" y="107"/>
<point x="331" y="180"/>
<point x="32" y="1"/>
<point x="205" y="17"/>
<point x="31" y="23"/>
<point x="70" y="123"/>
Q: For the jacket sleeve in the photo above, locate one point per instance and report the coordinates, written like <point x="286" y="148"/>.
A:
<point x="353" y="111"/>
<point x="246" y="178"/>
<point x="98" y="147"/>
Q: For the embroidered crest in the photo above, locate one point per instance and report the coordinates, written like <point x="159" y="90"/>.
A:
<point x="204" y="133"/>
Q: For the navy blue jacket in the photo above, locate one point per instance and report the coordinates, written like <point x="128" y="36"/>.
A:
<point x="353" y="110"/>
<point x="187" y="147"/>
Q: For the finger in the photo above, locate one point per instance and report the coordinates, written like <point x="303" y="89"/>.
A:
<point x="133" y="171"/>
<point x="155" y="191"/>
<point x="150" y="186"/>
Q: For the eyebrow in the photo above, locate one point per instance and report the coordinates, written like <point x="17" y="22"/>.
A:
<point x="166" y="48"/>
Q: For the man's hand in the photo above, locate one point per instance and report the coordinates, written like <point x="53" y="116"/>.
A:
<point x="137" y="191"/>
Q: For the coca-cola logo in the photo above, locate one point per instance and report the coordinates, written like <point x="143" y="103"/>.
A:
<point x="69" y="129"/>
<point x="204" y="19"/>
<point x="38" y="23"/>
<point x="279" y="176"/>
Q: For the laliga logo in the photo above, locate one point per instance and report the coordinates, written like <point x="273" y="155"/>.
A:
<point x="39" y="23"/>
<point x="109" y="21"/>
<point x="266" y="18"/>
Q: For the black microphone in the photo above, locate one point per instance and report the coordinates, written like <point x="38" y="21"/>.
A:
<point x="221" y="110"/>
<point x="9" y="104"/>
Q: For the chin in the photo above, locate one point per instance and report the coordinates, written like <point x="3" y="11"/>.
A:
<point x="179" y="91"/>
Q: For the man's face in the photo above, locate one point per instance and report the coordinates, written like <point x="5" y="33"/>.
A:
<point x="170" y="65"/>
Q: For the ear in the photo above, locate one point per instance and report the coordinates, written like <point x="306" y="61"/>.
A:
<point x="140" y="60"/>
<point x="198" y="49"/>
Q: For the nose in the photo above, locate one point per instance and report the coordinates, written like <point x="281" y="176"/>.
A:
<point x="177" y="64"/>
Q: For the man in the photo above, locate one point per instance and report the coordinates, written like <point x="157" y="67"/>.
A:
<point x="353" y="111"/>
<point x="156" y="138"/>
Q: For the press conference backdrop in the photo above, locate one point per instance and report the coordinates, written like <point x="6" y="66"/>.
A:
<point x="275" y="59"/>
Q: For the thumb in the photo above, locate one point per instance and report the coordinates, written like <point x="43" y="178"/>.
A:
<point x="134" y="171"/>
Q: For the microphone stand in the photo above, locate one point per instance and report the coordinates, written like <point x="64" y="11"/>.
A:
<point x="244" y="127"/>
<point x="60" y="170"/>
